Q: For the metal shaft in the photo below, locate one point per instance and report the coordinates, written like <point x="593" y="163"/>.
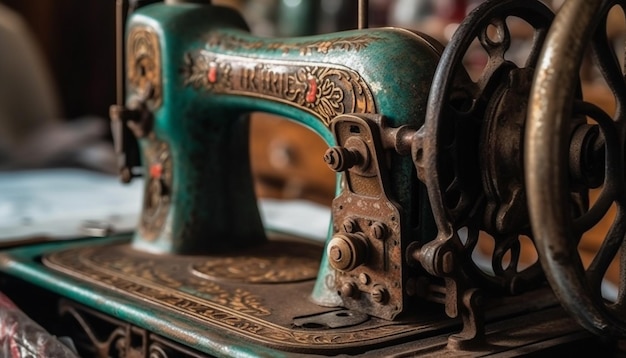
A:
<point x="363" y="14"/>
<point x="119" y="56"/>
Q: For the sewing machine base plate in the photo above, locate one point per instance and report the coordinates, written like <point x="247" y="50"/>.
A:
<point x="258" y="301"/>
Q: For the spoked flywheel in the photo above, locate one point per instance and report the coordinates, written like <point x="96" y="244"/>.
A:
<point x="558" y="158"/>
<point x="469" y="151"/>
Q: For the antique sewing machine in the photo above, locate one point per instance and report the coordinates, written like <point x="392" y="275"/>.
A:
<point x="429" y="160"/>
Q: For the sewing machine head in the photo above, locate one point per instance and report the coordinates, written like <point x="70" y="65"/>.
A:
<point x="429" y="160"/>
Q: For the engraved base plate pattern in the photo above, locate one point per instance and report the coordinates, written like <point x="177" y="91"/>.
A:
<point x="261" y="307"/>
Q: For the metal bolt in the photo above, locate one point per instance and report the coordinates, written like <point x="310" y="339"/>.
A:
<point x="346" y="252"/>
<point x="364" y="278"/>
<point x="340" y="159"/>
<point x="348" y="289"/>
<point x="378" y="230"/>
<point x="379" y="294"/>
<point x="349" y="225"/>
<point x="335" y="253"/>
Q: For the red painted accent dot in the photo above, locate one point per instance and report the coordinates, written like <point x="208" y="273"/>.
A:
<point x="312" y="93"/>
<point x="212" y="75"/>
<point x="156" y="170"/>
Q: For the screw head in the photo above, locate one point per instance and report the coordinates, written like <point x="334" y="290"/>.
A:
<point x="364" y="278"/>
<point x="349" y="225"/>
<point x="378" y="230"/>
<point x="380" y="294"/>
<point x="346" y="252"/>
<point x="335" y="253"/>
<point x="340" y="159"/>
<point x="348" y="289"/>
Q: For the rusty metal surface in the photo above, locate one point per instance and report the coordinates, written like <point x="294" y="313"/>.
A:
<point x="366" y="247"/>
<point x="553" y="166"/>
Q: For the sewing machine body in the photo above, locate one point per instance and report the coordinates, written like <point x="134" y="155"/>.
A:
<point x="202" y="275"/>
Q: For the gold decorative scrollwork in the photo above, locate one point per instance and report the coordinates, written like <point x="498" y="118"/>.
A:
<point x="143" y="63"/>
<point x="323" y="90"/>
<point x="205" y="72"/>
<point x="104" y="336"/>
<point x="259" y="269"/>
<point x="158" y="186"/>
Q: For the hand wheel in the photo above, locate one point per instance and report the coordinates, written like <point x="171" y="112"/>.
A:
<point x="558" y="158"/>
<point x="469" y="151"/>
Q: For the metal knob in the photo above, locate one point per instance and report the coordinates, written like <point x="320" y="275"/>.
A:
<point x="347" y="251"/>
<point x="341" y="159"/>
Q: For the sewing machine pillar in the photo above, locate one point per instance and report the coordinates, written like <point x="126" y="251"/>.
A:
<point x="199" y="196"/>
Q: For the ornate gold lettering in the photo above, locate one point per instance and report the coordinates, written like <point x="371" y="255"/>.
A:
<point x="323" y="90"/>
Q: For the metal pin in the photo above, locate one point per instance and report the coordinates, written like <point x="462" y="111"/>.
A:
<point x="120" y="6"/>
<point x="363" y="14"/>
